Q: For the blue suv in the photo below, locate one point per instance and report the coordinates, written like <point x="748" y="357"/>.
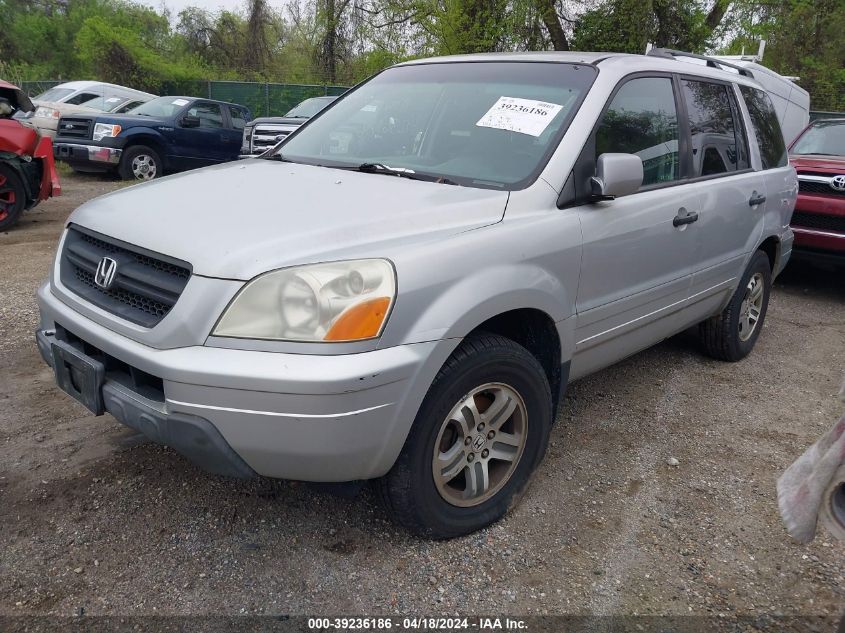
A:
<point x="165" y="134"/>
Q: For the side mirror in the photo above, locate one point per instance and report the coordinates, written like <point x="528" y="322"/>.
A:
<point x="616" y="175"/>
<point x="190" y="121"/>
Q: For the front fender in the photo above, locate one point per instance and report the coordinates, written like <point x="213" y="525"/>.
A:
<point x="147" y="136"/>
<point x="469" y="302"/>
<point x="448" y="289"/>
<point x="50" y="185"/>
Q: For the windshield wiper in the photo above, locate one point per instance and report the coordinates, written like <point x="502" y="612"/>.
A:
<point x="403" y="172"/>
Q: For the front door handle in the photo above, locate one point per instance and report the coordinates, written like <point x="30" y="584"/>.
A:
<point x="684" y="217"/>
<point x="756" y="199"/>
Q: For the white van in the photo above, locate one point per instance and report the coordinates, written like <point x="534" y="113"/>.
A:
<point x="76" y="97"/>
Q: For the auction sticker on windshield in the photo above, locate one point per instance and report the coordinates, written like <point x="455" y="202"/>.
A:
<point x="525" y="116"/>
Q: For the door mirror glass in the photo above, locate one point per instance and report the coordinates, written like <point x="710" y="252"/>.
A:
<point x="617" y="175"/>
<point x="190" y="121"/>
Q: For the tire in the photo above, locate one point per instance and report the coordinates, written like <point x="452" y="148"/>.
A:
<point x="140" y="162"/>
<point x="485" y="370"/>
<point x="730" y="336"/>
<point x="12" y="197"/>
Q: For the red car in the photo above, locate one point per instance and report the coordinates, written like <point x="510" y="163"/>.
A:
<point x="27" y="171"/>
<point x="818" y="155"/>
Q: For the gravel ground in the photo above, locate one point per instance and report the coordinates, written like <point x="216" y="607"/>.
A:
<point x="94" y="518"/>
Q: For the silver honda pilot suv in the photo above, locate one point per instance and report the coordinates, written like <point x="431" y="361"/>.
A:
<point x="402" y="289"/>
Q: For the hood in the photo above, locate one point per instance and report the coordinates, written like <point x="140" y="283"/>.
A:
<point x="278" y="120"/>
<point x="818" y="162"/>
<point x="240" y="219"/>
<point x="16" y="97"/>
<point x="67" y="108"/>
<point x="125" y="121"/>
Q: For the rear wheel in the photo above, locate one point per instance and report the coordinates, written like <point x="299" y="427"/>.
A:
<point x="12" y="197"/>
<point x="480" y="433"/>
<point x="140" y="162"/>
<point x="732" y="334"/>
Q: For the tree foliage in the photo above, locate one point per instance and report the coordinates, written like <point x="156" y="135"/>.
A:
<point x="344" y="41"/>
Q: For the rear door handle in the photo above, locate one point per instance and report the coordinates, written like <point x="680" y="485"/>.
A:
<point x="684" y="217"/>
<point x="756" y="199"/>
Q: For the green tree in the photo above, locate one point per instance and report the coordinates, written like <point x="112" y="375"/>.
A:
<point x="629" y="25"/>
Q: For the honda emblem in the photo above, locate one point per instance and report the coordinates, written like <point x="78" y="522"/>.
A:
<point x="106" y="272"/>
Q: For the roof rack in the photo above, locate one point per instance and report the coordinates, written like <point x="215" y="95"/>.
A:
<point x="669" y="53"/>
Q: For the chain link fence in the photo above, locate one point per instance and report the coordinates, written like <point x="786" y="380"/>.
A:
<point x="263" y="99"/>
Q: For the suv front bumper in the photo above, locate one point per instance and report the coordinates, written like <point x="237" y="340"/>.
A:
<point x="327" y="418"/>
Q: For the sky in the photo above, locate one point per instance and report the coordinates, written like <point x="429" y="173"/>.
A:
<point x="176" y="6"/>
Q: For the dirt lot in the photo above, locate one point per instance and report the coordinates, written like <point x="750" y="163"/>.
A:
<point x="94" y="518"/>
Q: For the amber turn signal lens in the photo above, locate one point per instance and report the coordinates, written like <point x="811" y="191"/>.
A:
<point x="361" y="321"/>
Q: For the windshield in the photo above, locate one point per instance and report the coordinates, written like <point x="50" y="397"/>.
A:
<point x="161" y="107"/>
<point x="482" y="124"/>
<point x="309" y="107"/>
<point x="54" y="94"/>
<point x="825" y="137"/>
<point x="104" y="104"/>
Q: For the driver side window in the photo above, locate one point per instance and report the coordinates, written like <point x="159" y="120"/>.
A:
<point x="642" y="120"/>
<point x="209" y="114"/>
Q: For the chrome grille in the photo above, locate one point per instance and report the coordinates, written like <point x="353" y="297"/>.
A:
<point x="145" y="287"/>
<point x="818" y="221"/>
<point x="72" y="127"/>
<point x="265" y="136"/>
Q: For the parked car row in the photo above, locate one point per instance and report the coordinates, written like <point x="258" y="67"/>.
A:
<point x="164" y="134"/>
<point x="168" y="134"/>
<point x="80" y="97"/>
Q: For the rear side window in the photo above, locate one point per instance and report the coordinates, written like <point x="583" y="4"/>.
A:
<point x="642" y="119"/>
<point x="128" y="106"/>
<point x="239" y="117"/>
<point x="81" y="98"/>
<point x="718" y="141"/>
<point x="764" y="120"/>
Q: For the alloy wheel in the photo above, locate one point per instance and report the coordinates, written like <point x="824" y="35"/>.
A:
<point x="479" y="444"/>
<point x="144" y="167"/>
<point x="751" y="307"/>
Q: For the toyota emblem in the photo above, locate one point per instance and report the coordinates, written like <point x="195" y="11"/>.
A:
<point x="838" y="183"/>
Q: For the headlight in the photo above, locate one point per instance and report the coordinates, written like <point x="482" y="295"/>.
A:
<point x="105" y="130"/>
<point x="337" y="301"/>
<point x="46" y="113"/>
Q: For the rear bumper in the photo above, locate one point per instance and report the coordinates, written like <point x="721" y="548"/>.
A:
<point x="92" y="154"/>
<point x="787" y="241"/>
<point x="328" y="418"/>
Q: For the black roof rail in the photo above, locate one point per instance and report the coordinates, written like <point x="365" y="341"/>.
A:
<point x="669" y="53"/>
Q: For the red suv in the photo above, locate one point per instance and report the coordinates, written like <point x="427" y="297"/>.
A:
<point x="818" y="155"/>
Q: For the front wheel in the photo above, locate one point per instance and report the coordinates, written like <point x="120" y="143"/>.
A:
<point x="480" y="433"/>
<point x="12" y="197"/>
<point x="731" y="335"/>
<point x="140" y="162"/>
